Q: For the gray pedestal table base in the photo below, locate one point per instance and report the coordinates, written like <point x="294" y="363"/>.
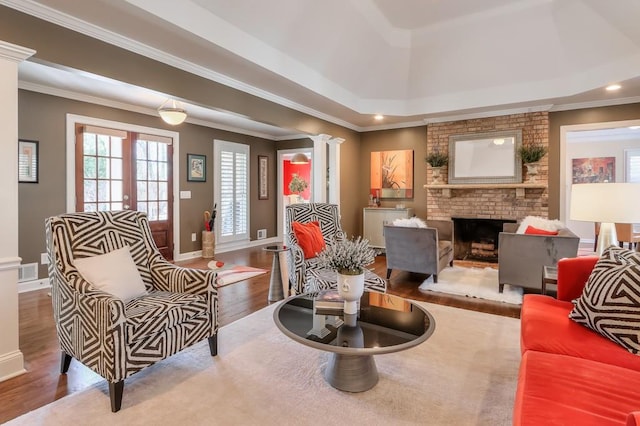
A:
<point x="351" y="373"/>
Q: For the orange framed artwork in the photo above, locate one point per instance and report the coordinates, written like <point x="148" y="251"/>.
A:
<point x="392" y="174"/>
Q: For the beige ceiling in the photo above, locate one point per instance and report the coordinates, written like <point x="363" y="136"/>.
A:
<point x="415" y="61"/>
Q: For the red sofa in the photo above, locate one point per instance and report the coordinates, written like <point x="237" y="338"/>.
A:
<point x="570" y="375"/>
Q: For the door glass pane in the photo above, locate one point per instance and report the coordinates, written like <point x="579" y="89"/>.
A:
<point x="90" y="207"/>
<point x="90" y="191"/>
<point x="153" y="170"/>
<point x="141" y="191"/>
<point x="153" y="211"/>
<point x="103" y="190"/>
<point x="103" y="145"/>
<point x="116" y="190"/>
<point x="116" y="147"/>
<point x="152" y="149"/>
<point x="104" y="207"/>
<point x="116" y="206"/>
<point x="163" y="210"/>
<point x="141" y="170"/>
<point x="163" y="191"/>
<point x="162" y="152"/>
<point x="90" y="167"/>
<point x="89" y="144"/>
<point x="141" y="150"/>
<point x="153" y="191"/>
<point x="142" y="206"/>
<point x="163" y="171"/>
<point x="103" y="168"/>
<point x="116" y="168"/>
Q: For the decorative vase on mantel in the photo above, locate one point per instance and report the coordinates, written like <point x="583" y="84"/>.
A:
<point x="435" y="173"/>
<point x="351" y="289"/>
<point x="532" y="171"/>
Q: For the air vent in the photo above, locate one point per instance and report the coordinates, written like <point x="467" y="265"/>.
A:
<point x="28" y="272"/>
<point x="262" y="234"/>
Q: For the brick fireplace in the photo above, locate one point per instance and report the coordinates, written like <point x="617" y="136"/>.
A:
<point x="492" y="202"/>
<point x="487" y="202"/>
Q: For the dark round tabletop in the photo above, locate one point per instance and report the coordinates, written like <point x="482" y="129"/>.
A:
<point x="384" y="324"/>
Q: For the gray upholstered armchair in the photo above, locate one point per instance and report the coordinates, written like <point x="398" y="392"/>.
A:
<point x="117" y="337"/>
<point x="422" y="250"/>
<point x="521" y="257"/>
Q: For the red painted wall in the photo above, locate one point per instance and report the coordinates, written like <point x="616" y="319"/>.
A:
<point x="303" y="170"/>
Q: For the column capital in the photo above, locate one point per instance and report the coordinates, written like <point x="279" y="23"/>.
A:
<point x="14" y="52"/>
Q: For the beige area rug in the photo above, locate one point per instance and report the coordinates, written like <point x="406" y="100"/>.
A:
<point x="473" y="282"/>
<point x="228" y="273"/>
<point x="464" y="374"/>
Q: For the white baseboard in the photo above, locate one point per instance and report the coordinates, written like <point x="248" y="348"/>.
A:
<point x="33" y="285"/>
<point x="11" y="365"/>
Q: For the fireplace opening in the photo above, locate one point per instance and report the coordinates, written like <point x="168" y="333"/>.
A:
<point x="477" y="239"/>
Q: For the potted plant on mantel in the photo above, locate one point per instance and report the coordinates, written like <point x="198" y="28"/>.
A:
<point x="531" y="155"/>
<point x="437" y="160"/>
<point x="348" y="258"/>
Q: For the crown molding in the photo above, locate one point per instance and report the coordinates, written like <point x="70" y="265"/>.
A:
<point x="50" y="15"/>
<point x="14" y="53"/>
<point x="596" y="104"/>
<point x="81" y="97"/>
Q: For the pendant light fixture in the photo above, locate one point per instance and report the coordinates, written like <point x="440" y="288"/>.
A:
<point x="299" y="158"/>
<point x="172" y="113"/>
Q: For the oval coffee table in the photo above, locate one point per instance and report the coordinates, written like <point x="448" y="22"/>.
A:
<point x="384" y="324"/>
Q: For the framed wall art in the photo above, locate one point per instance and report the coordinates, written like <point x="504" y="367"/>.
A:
<point x="593" y="170"/>
<point x="27" y="161"/>
<point x="196" y="168"/>
<point x="392" y="174"/>
<point x="263" y="177"/>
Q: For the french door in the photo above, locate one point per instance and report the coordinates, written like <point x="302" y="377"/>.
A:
<point x="120" y="170"/>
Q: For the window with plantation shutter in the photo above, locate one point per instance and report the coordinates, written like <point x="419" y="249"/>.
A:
<point x="632" y="165"/>
<point x="232" y="190"/>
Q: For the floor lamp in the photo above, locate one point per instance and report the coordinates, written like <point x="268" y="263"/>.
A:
<point x="607" y="203"/>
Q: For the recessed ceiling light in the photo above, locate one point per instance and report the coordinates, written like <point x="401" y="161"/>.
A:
<point x="613" y="87"/>
<point x="634" y="127"/>
<point x="378" y="117"/>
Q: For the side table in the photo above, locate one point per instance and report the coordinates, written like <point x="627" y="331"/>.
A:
<point x="549" y="276"/>
<point x="276" y="286"/>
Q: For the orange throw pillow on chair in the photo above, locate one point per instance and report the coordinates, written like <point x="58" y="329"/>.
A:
<point x="309" y="237"/>
<point x="536" y="231"/>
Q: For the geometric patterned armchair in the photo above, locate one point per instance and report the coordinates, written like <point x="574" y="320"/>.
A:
<point x="329" y="218"/>
<point x="302" y="271"/>
<point x="112" y="337"/>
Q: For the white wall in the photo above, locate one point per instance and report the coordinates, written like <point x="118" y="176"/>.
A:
<point x="583" y="146"/>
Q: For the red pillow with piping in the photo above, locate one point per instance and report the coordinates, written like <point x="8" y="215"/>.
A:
<point x="536" y="231"/>
<point x="309" y="238"/>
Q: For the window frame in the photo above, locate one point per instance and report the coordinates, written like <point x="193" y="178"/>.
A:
<point x="220" y="146"/>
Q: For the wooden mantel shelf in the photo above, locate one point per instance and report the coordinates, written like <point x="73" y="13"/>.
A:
<point x="519" y="187"/>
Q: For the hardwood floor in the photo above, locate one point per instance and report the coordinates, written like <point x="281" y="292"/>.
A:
<point x="43" y="384"/>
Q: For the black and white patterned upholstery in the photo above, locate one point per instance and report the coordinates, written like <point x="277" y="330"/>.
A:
<point x="610" y="302"/>
<point x="113" y="338"/>
<point x="299" y="267"/>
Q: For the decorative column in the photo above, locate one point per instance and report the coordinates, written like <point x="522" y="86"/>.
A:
<point x="11" y="359"/>
<point x="319" y="191"/>
<point x="334" y="170"/>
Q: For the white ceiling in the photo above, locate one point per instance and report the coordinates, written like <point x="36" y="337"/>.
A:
<point x="416" y="61"/>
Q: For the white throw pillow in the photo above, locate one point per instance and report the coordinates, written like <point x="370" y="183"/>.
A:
<point x="114" y="273"/>
<point x="412" y="222"/>
<point x="540" y="223"/>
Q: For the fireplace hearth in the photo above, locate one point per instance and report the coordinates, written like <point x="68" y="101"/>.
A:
<point x="477" y="239"/>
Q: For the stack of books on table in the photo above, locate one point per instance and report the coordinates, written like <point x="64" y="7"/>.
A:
<point x="328" y="302"/>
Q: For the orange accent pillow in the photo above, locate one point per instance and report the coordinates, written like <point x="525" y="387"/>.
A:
<point x="536" y="231"/>
<point x="309" y="237"/>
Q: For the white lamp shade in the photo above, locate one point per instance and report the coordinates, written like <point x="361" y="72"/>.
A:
<point x="605" y="202"/>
